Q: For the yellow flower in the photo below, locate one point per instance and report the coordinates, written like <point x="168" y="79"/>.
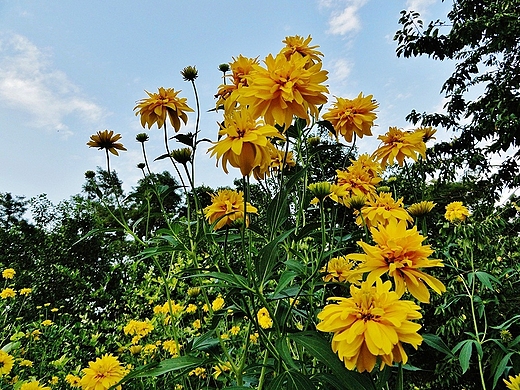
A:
<point x="285" y="88"/>
<point x="47" y="323"/>
<point x="381" y="209"/>
<point x="158" y="106"/>
<point x="106" y="140"/>
<point x="25" y="291"/>
<point x="8" y="273"/>
<point x="54" y="380"/>
<point x="6" y="363"/>
<point x="254" y="337"/>
<point x="240" y="68"/>
<point x="299" y="45"/>
<point x="264" y="319"/>
<point x="218" y="303"/>
<point x="191" y="308"/>
<point x="372" y="323"/>
<point x="54" y="309"/>
<point x="421" y="208"/>
<point x="427" y="133"/>
<point x="199" y="371"/>
<point x="138" y="328"/>
<point x="176" y="307"/>
<point x="226" y="207"/>
<point x="320" y="190"/>
<point x="149" y="348"/>
<point x="341" y="269"/>
<point x="398" y="144"/>
<point x="356" y="181"/>
<point x="220" y="368"/>
<point x="234" y="330"/>
<point x="73" y="380"/>
<point x="456" y="212"/>
<point x="514" y="382"/>
<point x="171" y="347"/>
<point x="280" y="159"/>
<point x="34" y="385"/>
<point x="26" y="363"/>
<point x="7" y="293"/>
<point x="349" y="117"/>
<point x="245" y="145"/>
<point x="135" y="349"/>
<point x="399" y="251"/>
<point x="103" y="373"/>
<point x="196" y="324"/>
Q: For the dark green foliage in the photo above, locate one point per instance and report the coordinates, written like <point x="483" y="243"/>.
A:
<point x="483" y="38"/>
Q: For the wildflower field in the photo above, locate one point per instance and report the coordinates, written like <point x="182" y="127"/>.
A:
<point x="327" y="266"/>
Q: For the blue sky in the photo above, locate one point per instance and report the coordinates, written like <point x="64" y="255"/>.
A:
<point x="71" y="68"/>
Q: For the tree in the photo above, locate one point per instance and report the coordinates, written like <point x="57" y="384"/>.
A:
<point x="483" y="38"/>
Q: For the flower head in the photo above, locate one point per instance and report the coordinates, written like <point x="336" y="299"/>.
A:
<point x="218" y="303"/>
<point x="182" y="155"/>
<point x="103" y="373"/>
<point x="300" y="45"/>
<point x="514" y="382"/>
<point x="349" y="117"/>
<point x="158" y="106"/>
<point x="34" y="385"/>
<point x="189" y="73"/>
<point x="226" y="207"/>
<point x="427" y="133"/>
<point x="142" y="137"/>
<point x="360" y="178"/>
<point x="171" y="347"/>
<point x="6" y="363"/>
<point x="456" y="212"/>
<point x="285" y="88"/>
<point x="400" y="253"/>
<point x="73" y="380"/>
<point x="246" y="145"/>
<point x="372" y="323"/>
<point x="8" y="273"/>
<point x="381" y="209"/>
<point x="106" y="140"/>
<point x="7" y="293"/>
<point x="421" y="208"/>
<point x="341" y="269"/>
<point x="138" y="328"/>
<point x="264" y="319"/>
<point x="320" y="190"/>
<point x="399" y="144"/>
<point x="240" y="68"/>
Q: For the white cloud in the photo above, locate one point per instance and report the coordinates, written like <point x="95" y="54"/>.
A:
<point x="344" y="15"/>
<point x="340" y="70"/>
<point x="29" y="85"/>
<point x="420" y="6"/>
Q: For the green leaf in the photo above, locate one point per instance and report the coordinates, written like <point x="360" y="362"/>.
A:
<point x="182" y="363"/>
<point x="283" y="349"/>
<point x="10" y="346"/>
<point x="206" y="341"/>
<point x="465" y="355"/>
<point x="233" y="279"/>
<point x="286" y="278"/>
<point x="501" y="368"/>
<point x="292" y="380"/>
<point x="278" y="210"/>
<point x="486" y="279"/>
<point x="288" y="292"/>
<point x="317" y="346"/>
<point x="437" y="343"/>
<point x="269" y="257"/>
